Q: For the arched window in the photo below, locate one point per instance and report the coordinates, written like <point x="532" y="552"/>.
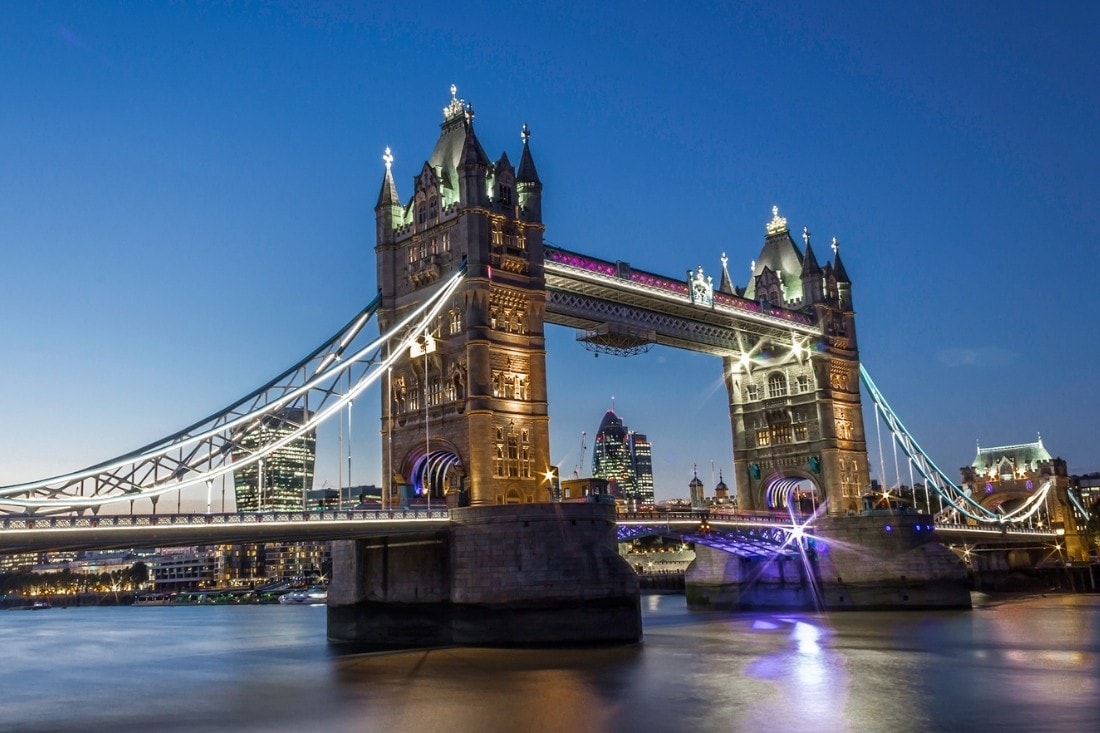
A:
<point x="777" y="385"/>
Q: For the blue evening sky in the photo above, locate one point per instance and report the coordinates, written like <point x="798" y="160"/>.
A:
<point x="187" y="192"/>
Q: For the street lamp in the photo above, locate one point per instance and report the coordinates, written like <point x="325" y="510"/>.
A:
<point x="425" y="346"/>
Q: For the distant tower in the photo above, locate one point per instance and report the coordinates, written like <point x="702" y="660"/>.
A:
<point x="279" y="481"/>
<point x="641" y="461"/>
<point x="486" y="439"/>
<point x="721" y="491"/>
<point x="625" y="457"/>
<point x="695" y="492"/>
<point x="611" y="455"/>
<point x="796" y="412"/>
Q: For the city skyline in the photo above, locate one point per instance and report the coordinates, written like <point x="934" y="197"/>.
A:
<point x="189" y="210"/>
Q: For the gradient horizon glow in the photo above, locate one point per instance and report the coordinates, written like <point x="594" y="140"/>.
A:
<point x="186" y="202"/>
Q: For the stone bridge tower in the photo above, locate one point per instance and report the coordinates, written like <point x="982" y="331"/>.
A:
<point x="465" y="419"/>
<point x="795" y="408"/>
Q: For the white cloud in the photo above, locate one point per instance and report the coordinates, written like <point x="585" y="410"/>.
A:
<point x="980" y="356"/>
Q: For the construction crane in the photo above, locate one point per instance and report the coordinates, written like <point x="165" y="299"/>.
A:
<point x="580" y="458"/>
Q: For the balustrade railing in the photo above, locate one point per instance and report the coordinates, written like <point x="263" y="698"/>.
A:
<point x="15" y="522"/>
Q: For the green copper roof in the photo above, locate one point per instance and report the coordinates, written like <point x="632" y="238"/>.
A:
<point x="1022" y="455"/>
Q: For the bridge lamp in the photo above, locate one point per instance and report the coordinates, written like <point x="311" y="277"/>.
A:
<point x="796" y="350"/>
<point x="744" y="361"/>
<point x="425" y="346"/>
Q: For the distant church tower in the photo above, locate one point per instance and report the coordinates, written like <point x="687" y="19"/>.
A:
<point x="487" y="436"/>
<point x="796" y="413"/>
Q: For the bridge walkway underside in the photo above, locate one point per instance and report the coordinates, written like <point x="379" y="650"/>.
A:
<point x="638" y="308"/>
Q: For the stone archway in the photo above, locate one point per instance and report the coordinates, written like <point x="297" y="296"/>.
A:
<point x="799" y="494"/>
<point x="436" y="475"/>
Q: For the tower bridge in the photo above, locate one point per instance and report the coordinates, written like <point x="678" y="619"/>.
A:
<point x="467" y="285"/>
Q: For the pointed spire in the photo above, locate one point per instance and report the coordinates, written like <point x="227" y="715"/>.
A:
<point x="838" y="266"/>
<point x="527" y="172"/>
<point x="472" y="152"/>
<point x="388" y="195"/>
<point x="725" y="285"/>
<point x="504" y="163"/>
<point x="809" y="261"/>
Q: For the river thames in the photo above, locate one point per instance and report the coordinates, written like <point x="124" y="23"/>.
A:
<point x="1027" y="664"/>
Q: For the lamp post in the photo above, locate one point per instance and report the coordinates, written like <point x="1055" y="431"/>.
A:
<point x="387" y="480"/>
<point x="417" y="348"/>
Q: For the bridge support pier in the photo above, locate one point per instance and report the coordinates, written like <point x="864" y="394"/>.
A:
<point x="870" y="561"/>
<point x="520" y="575"/>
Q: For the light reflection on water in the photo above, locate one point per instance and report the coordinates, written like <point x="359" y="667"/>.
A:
<point x="1029" y="664"/>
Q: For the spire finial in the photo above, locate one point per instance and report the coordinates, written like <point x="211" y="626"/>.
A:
<point x="724" y="260"/>
<point x="806" y="235"/>
<point x="836" y="246"/>
<point x="778" y="224"/>
<point x="525" y="133"/>
<point x="456" y="107"/>
<point x="387" y="158"/>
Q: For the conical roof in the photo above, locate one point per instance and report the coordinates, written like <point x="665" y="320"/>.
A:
<point x="782" y="256"/>
<point x="527" y="172"/>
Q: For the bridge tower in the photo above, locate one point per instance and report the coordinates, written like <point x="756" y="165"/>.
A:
<point x="465" y="417"/>
<point x="795" y="403"/>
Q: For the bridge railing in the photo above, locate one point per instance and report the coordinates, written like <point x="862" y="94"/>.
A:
<point x="14" y="522"/>
<point x="698" y="515"/>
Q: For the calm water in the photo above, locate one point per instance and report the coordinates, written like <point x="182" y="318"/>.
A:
<point x="1027" y="664"/>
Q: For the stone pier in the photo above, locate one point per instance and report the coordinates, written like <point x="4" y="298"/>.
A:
<point x="513" y="575"/>
<point x="873" y="561"/>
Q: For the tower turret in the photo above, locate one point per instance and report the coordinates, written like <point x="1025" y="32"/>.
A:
<point x="473" y="167"/>
<point x="528" y="185"/>
<point x="813" y="290"/>
<point x="388" y="211"/>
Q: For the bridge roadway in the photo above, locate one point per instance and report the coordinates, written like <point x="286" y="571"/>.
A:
<point x="745" y="533"/>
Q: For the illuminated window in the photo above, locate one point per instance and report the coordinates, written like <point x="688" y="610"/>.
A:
<point x="455" y="321"/>
<point x="762" y="438"/>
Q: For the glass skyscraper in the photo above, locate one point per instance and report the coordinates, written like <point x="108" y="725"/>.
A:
<point x="279" y="481"/>
<point x="625" y="457"/>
